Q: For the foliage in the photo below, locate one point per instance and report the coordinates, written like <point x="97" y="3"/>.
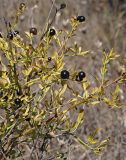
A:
<point x="44" y="113"/>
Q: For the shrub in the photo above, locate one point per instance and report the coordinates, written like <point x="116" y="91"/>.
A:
<point x="30" y="115"/>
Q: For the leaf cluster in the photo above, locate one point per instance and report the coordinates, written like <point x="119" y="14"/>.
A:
<point x="44" y="109"/>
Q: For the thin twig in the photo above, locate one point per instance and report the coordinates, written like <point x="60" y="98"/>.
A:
<point x="47" y="20"/>
<point x="80" y="102"/>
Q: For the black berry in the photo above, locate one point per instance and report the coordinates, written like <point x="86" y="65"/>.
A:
<point x="81" y="18"/>
<point x="81" y="75"/>
<point x="62" y="6"/>
<point x="33" y="30"/>
<point x="10" y="35"/>
<point x="49" y="59"/>
<point x="64" y="74"/>
<point x="17" y="101"/>
<point x="52" y="32"/>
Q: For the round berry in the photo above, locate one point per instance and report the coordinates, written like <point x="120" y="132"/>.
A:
<point x="81" y="75"/>
<point x="17" y="101"/>
<point x="10" y="35"/>
<point x="62" y="6"/>
<point x="33" y="30"/>
<point x="52" y="32"/>
<point x="81" y="18"/>
<point x="49" y="59"/>
<point x="64" y="74"/>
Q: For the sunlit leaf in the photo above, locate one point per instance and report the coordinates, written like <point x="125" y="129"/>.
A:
<point x="78" y="121"/>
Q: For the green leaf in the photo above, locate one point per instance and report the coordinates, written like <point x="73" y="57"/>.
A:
<point x="116" y="93"/>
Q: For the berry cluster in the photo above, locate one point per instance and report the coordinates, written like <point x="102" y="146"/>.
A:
<point x="11" y="34"/>
<point x="65" y="75"/>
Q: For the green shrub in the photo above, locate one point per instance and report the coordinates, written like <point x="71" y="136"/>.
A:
<point x="29" y="114"/>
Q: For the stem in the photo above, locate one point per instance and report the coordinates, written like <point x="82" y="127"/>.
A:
<point x="14" y="65"/>
<point x="49" y="24"/>
<point x="79" y="103"/>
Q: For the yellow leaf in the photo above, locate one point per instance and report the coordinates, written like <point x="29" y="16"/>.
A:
<point x="91" y="139"/>
<point x="28" y="35"/>
<point x="29" y="132"/>
<point x="3" y="82"/>
<point x="78" y="121"/>
<point x="116" y="93"/>
<point x="62" y="90"/>
<point x="19" y="43"/>
<point x="26" y="112"/>
<point x="39" y="116"/>
<point x="72" y="100"/>
<point x="83" y="53"/>
<point x="28" y="71"/>
<point x="31" y="82"/>
<point x="95" y="102"/>
<point x="101" y="146"/>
